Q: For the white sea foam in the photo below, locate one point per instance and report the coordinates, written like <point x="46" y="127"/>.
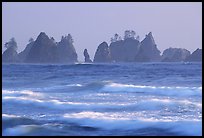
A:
<point x="136" y="104"/>
<point x="19" y="130"/>
<point x="9" y="116"/>
<point x="23" y="92"/>
<point x="76" y="85"/>
<point x="56" y="104"/>
<point x="134" y="121"/>
<point x="157" y="90"/>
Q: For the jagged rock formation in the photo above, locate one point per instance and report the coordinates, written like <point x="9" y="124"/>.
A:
<point x="196" y="56"/>
<point x="87" y="57"/>
<point x="10" y="55"/>
<point x="148" y="51"/>
<point x="66" y="50"/>
<point x="23" y="55"/>
<point x="102" y="53"/>
<point x="46" y="50"/>
<point x="124" y="50"/>
<point x="175" y="55"/>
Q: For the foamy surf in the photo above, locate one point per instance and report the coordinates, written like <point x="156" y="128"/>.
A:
<point x="157" y="90"/>
<point x="135" y="121"/>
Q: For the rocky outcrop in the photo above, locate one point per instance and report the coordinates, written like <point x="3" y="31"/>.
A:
<point x="87" y="57"/>
<point x="102" y="53"/>
<point x="66" y="51"/>
<point x="196" y="56"/>
<point x="46" y="50"/>
<point x="42" y="51"/>
<point x="175" y="55"/>
<point x="148" y="51"/>
<point x="23" y="55"/>
<point x="124" y="50"/>
<point x="10" y="55"/>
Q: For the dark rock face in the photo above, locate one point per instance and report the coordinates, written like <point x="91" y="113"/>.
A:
<point x="66" y="51"/>
<point x="10" y="55"/>
<point x="175" y="55"/>
<point x="148" y="50"/>
<point x="196" y="56"/>
<point x="46" y="50"/>
<point x="102" y="53"/>
<point x="87" y="57"/>
<point x="42" y="51"/>
<point x="124" y="50"/>
<point x="23" y="55"/>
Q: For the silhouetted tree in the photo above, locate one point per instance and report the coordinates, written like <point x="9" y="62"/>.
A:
<point x="129" y="34"/>
<point x="138" y="38"/>
<point x="31" y="40"/>
<point x="12" y="43"/>
<point x="69" y="37"/>
<point x="52" y="38"/>
<point x="115" y="38"/>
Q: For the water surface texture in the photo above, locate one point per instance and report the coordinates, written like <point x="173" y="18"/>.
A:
<point x="102" y="99"/>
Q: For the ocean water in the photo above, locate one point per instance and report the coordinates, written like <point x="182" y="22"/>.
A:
<point x="156" y="99"/>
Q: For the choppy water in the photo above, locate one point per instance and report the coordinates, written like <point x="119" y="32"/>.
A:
<point x="102" y="99"/>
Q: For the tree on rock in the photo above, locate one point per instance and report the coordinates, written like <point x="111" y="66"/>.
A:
<point x="10" y="55"/>
<point x="11" y="44"/>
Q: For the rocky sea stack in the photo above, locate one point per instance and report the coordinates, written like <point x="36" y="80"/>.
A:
<point x="129" y="49"/>
<point x="175" y="55"/>
<point x="102" y="53"/>
<point x="43" y="50"/>
<point x="87" y="57"/>
<point x="148" y="51"/>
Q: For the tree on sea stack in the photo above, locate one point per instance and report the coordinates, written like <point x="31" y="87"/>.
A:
<point x="11" y="44"/>
<point x="10" y="55"/>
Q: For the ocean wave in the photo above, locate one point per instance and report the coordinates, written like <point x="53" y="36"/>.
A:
<point x="123" y="121"/>
<point x="135" y="103"/>
<point x="157" y="90"/>
<point x="20" y="93"/>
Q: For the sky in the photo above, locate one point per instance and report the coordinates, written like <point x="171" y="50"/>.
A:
<point x="173" y="24"/>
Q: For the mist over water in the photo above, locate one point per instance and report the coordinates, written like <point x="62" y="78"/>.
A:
<point x="102" y="99"/>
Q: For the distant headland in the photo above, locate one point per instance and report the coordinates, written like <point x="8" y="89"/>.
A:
<point x="128" y="49"/>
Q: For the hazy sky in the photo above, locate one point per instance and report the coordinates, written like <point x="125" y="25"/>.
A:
<point x="172" y="24"/>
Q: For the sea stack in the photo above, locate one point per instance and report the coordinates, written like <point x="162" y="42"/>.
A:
<point x="148" y="51"/>
<point x="44" y="50"/>
<point x="66" y="50"/>
<point x="23" y="55"/>
<point x="102" y="53"/>
<point x="124" y="50"/>
<point x="87" y="57"/>
<point x="175" y="55"/>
